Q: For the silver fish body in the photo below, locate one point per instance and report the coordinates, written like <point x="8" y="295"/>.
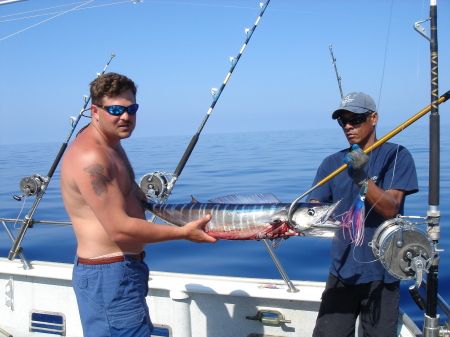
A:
<point x="251" y="221"/>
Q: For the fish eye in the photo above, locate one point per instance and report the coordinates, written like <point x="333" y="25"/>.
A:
<point x="311" y="211"/>
<point x="277" y="221"/>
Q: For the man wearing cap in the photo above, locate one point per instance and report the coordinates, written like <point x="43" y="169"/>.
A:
<point x="358" y="284"/>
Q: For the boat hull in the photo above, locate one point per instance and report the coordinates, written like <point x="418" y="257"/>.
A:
<point x="185" y="305"/>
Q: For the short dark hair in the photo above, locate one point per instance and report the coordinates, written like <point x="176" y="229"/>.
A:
<point x="111" y="85"/>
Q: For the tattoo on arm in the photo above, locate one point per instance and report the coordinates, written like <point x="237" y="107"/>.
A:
<point x="99" y="180"/>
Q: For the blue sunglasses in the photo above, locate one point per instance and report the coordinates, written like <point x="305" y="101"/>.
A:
<point x="118" y="110"/>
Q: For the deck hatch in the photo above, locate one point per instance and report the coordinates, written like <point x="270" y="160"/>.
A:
<point x="48" y="322"/>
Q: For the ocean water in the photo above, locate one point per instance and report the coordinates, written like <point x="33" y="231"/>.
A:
<point x="280" y="162"/>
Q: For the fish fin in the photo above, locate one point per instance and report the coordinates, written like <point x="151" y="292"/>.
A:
<point x="264" y="198"/>
<point x="193" y="200"/>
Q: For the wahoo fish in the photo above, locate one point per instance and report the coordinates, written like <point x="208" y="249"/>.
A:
<point x="251" y="217"/>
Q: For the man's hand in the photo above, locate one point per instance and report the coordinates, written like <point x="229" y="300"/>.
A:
<point x="356" y="159"/>
<point x="194" y="231"/>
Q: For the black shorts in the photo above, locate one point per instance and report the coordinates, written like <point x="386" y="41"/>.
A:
<point x="376" y="302"/>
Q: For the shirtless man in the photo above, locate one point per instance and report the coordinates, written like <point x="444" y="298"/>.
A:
<point x="110" y="277"/>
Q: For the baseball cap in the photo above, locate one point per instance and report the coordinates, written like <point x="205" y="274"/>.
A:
<point x="356" y="102"/>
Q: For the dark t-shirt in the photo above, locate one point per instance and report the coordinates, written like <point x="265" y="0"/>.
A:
<point x="391" y="167"/>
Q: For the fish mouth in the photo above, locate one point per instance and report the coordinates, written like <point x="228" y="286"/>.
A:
<point x="327" y="220"/>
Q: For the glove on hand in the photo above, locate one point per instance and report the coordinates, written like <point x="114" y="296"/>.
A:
<point x="356" y="159"/>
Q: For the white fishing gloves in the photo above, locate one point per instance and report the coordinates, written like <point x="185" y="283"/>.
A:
<point x="356" y="159"/>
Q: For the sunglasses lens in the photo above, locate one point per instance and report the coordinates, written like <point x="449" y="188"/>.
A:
<point x="353" y="120"/>
<point x="132" y="109"/>
<point x="116" y="110"/>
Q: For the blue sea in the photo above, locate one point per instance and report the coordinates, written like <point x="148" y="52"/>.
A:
<point x="280" y="162"/>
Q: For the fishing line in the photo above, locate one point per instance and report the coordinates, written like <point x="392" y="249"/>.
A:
<point x="110" y="4"/>
<point x="385" y="53"/>
<point x="39" y="10"/>
<point x="372" y="261"/>
<point x="379" y="103"/>
<point x="379" y="99"/>
<point x="207" y="5"/>
<point x="37" y="24"/>
<point x="333" y="59"/>
<point x="392" y="179"/>
<point x="20" y="212"/>
<point x="63" y="12"/>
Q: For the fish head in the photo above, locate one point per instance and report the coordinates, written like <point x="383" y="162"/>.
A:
<point x="310" y="218"/>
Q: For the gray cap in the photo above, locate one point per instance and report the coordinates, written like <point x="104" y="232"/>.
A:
<point x="356" y="102"/>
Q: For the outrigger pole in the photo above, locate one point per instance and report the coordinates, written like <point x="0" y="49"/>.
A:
<point x="37" y="184"/>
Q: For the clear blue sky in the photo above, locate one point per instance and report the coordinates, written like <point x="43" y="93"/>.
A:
<point x="176" y="51"/>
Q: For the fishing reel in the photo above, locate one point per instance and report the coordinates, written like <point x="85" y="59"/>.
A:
<point x="156" y="185"/>
<point x="31" y="185"/>
<point x="405" y="251"/>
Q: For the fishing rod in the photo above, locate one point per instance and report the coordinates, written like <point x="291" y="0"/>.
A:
<point x="157" y="185"/>
<point x="379" y="142"/>
<point x="431" y="320"/>
<point x="333" y="60"/>
<point x="37" y="184"/>
<point x="215" y="94"/>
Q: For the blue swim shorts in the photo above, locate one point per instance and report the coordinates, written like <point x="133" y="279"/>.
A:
<point x="111" y="298"/>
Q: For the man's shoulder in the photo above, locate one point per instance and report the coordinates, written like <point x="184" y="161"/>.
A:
<point x="337" y="155"/>
<point x="389" y="145"/>
<point x="394" y="149"/>
<point x="84" y="151"/>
